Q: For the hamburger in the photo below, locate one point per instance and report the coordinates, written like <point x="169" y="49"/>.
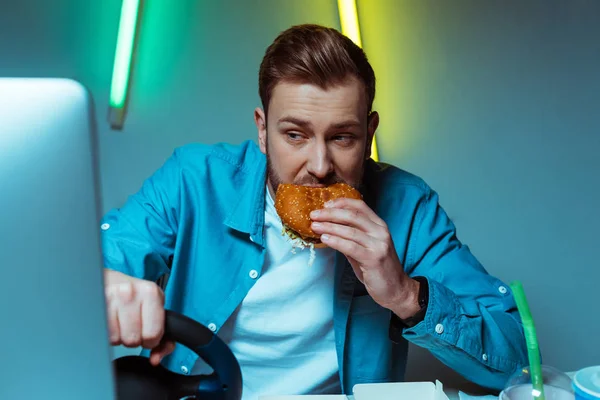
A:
<point x="294" y="203"/>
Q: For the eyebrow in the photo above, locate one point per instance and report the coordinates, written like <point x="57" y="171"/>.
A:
<point x="308" y="125"/>
<point x="295" y="121"/>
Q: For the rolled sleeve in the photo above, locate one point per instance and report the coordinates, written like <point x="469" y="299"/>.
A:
<point x="138" y="239"/>
<point x="439" y="328"/>
<point x="472" y="323"/>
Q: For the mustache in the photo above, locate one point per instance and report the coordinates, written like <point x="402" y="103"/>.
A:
<point x="313" y="180"/>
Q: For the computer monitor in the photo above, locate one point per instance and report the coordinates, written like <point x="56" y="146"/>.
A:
<point x="53" y="328"/>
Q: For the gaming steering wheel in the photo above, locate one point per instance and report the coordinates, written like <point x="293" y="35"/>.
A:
<point x="137" y="379"/>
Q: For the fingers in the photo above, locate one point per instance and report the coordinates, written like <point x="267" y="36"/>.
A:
<point x="129" y="315"/>
<point x="351" y="227"/>
<point x="357" y="205"/>
<point x="347" y="217"/>
<point x="152" y="315"/>
<point x="136" y="315"/>
<point x="113" y="322"/>
<point x="162" y="350"/>
<point x="346" y="247"/>
<point x="342" y="231"/>
<point x="353" y="213"/>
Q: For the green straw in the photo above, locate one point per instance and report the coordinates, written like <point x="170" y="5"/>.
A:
<point x="533" y="350"/>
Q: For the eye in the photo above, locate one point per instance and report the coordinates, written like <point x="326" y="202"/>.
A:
<point x="344" y="139"/>
<point x="294" y="136"/>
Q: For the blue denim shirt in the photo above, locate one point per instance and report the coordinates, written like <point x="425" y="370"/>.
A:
<point x="199" y="218"/>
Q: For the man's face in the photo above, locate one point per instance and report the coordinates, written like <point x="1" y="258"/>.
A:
<point x="316" y="137"/>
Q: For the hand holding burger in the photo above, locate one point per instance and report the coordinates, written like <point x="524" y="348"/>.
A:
<point x="336" y="216"/>
<point x="294" y="203"/>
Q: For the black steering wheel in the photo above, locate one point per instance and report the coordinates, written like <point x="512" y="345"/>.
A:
<point x="137" y="379"/>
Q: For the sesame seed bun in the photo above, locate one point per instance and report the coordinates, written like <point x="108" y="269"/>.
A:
<point x="294" y="203"/>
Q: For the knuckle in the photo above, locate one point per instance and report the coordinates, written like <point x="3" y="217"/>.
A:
<point x="124" y="291"/>
<point x="386" y="239"/>
<point x="146" y="287"/>
<point x="111" y="291"/>
<point x="149" y="289"/>
<point x="385" y="249"/>
<point x="385" y="246"/>
<point x="131" y="339"/>
<point x="154" y="331"/>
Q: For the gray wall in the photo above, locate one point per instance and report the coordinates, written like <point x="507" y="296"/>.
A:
<point x="494" y="103"/>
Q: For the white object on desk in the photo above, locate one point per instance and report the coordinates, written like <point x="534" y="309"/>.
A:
<point x="400" y="390"/>
<point x="394" y="391"/>
<point x="306" y="396"/>
<point x="380" y="391"/>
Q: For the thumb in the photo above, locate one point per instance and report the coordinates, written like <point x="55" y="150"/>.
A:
<point x="161" y="351"/>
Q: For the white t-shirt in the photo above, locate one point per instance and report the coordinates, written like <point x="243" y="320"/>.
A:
<point x="282" y="333"/>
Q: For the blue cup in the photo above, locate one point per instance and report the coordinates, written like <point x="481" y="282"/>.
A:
<point x="586" y="383"/>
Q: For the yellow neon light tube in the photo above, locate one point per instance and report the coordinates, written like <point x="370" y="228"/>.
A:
<point x="351" y="28"/>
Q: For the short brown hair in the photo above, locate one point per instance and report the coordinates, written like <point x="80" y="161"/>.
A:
<point x="317" y="55"/>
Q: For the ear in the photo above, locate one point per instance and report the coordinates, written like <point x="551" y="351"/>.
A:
<point x="261" y="127"/>
<point x="372" y="124"/>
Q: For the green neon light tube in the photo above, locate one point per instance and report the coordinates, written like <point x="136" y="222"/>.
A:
<point x="123" y="53"/>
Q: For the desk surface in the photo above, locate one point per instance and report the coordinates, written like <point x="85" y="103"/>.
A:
<point x="453" y="394"/>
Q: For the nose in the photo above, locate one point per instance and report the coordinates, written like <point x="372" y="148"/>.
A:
<point x="319" y="162"/>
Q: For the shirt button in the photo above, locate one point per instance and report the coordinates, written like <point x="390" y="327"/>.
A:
<point x="104" y="227"/>
<point x="439" y="328"/>
<point x="184" y="370"/>
<point x="484" y="356"/>
<point x="503" y="289"/>
<point x="253" y="274"/>
<point x="212" y="327"/>
<point x="251" y="239"/>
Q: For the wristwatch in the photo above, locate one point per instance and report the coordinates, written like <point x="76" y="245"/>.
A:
<point x="423" y="299"/>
